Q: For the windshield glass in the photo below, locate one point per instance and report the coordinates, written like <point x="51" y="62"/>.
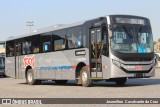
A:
<point x="1" y="62"/>
<point x="132" y="39"/>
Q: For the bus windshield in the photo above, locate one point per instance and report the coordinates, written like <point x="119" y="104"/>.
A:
<point x="1" y="63"/>
<point x="132" y="39"/>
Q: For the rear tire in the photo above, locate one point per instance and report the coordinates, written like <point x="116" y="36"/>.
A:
<point x="30" y="78"/>
<point x="120" y="81"/>
<point x="85" y="77"/>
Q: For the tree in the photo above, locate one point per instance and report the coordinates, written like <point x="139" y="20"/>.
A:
<point x="154" y="42"/>
<point x="159" y="40"/>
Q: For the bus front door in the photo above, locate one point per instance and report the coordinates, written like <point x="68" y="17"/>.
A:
<point x="18" y="73"/>
<point x="96" y="53"/>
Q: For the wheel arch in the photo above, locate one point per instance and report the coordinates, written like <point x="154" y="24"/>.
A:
<point x="79" y="67"/>
<point x="27" y="68"/>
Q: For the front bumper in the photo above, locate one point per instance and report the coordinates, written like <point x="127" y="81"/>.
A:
<point x="133" y="69"/>
<point x="2" y="72"/>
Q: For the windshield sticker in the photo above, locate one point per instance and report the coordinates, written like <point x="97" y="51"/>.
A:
<point x="141" y="49"/>
<point x="119" y="40"/>
<point x="143" y="39"/>
<point x="120" y="36"/>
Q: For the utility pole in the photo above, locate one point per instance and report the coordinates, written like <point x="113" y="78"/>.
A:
<point x="30" y="24"/>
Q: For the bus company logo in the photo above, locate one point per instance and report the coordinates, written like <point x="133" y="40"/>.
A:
<point x="28" y="61"/>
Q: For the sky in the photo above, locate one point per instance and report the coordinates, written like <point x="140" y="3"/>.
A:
<point x="15" y="13"/>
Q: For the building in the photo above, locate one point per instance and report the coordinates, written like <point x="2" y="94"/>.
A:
<point x="2" y="47"/>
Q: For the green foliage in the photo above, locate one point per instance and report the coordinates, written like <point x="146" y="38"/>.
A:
<point x="154" y="42"/>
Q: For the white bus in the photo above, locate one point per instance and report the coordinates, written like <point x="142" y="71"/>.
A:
<point x="113" y="48"/>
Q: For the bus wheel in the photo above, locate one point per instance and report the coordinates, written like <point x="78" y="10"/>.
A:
<point x="30" y="78"/>
<point x="120" y="81"/>
<point x="86" y="81"/>
<point x="61" y="81"/>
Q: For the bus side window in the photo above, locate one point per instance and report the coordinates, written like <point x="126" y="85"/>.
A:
<point x="79" y="40"/>
<point x="36" y="44"/>
<point x="74" y="41"/>
<point x="10" y="48"/>
<point x="58" y="43"/>
<point x="46" y="43"/>
<point x="71" y="40"/>
<point x="74" y="38"/>
<point x="26" y="46"/>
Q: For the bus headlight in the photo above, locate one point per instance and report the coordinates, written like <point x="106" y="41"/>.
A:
<point x="117" y="63"/>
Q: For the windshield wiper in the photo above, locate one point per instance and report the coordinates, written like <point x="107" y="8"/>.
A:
<point x="130" y="35"/>
<point x="140" y="31"/>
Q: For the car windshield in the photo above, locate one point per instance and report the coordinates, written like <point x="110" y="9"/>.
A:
<point x="132" y="39"/>
<point x="2" y="62"/>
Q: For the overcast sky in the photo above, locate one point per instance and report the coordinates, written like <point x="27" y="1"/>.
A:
<point x="15" y="13"/>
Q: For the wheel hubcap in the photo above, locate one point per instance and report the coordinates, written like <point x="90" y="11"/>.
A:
<point x="84" y="77"/>
<point x="30" y="76"/>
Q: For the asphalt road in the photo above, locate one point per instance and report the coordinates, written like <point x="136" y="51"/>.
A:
<point x="134" y="88"/>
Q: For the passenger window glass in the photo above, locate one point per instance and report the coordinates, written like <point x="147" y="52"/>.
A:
<point x="59" y="43"/>
<point x="18" y="47"/>
<point x="10" y="48"/>
<point x="71" y="41"/>
<point x="46" y="43"/>
<point x="26" y="46"/>
<point x="36" y="43"/>
<point x="74" y="38"/>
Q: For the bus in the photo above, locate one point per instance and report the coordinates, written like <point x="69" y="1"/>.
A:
<point x="112" y="48"/>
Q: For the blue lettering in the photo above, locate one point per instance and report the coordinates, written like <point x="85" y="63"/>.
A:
<point x="56" y="68"/>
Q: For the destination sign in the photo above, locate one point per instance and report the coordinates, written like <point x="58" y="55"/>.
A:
<point x="134" y="20"/>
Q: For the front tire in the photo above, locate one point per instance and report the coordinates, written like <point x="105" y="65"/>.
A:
<point x="85" y="77"/>
<point x="30" y="78"/>
<point x="120" y="81"/>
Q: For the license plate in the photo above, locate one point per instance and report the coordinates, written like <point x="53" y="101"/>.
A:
<point x="139" y="68"/>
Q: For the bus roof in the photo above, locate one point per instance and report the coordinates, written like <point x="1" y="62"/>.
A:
<point x="48" y="29"/>
<point x="60" y="26"/>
